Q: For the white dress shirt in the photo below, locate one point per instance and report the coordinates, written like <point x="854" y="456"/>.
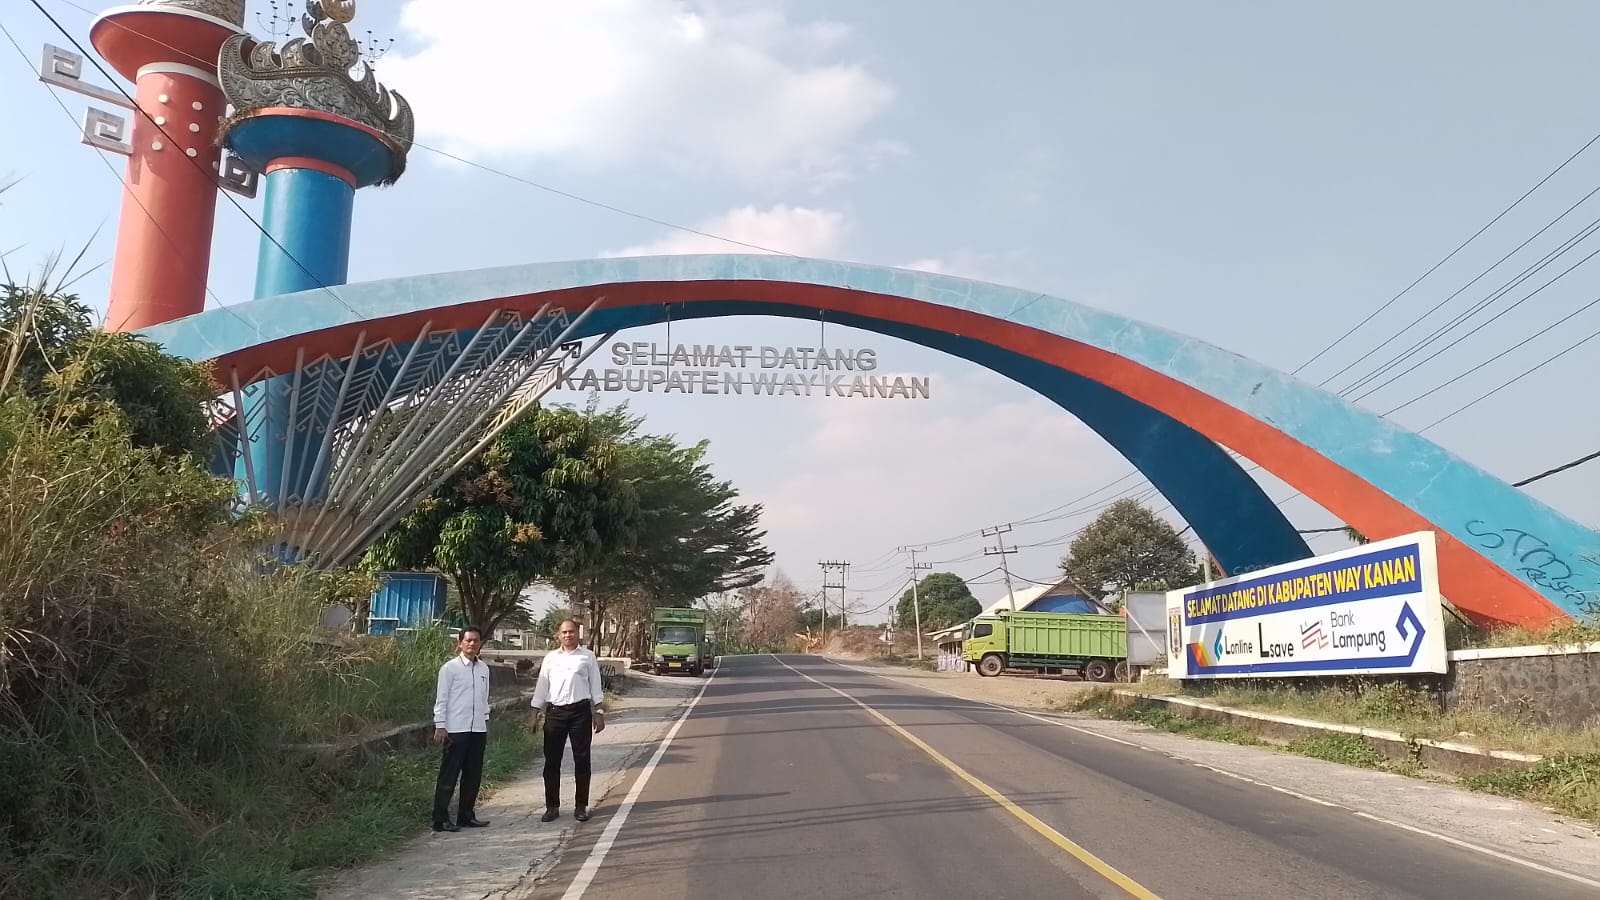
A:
<point x="461" y="698"/>
<point x="568" y="676"/>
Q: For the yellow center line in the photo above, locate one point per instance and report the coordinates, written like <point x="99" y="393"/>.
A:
<point x="1100" y="866"/>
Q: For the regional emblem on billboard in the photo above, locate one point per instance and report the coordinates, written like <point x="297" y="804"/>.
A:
<point x="1175" y="631"/>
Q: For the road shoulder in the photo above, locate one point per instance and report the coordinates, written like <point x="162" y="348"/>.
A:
<point x="503" y="860"/>
<point x="1488" y="824"/>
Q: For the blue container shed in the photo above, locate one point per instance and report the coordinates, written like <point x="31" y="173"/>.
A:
<point x="406" y="600"/>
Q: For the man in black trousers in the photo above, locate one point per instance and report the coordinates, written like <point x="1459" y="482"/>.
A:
<point x="461" y="724"/>
<point x="570" y="694"/>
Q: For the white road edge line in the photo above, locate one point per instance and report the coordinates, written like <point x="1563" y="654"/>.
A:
<point x="597" y="856"/>
<point x="1414" y="829"/>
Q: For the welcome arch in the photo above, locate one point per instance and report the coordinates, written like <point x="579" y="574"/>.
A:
<point x="1165" y="401"/>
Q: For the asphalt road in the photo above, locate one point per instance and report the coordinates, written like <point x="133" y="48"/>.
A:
<point x="778" y="785"/>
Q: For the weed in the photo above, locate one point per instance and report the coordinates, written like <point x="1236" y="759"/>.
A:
<point x="1113" y="706"/>
<point x="1570" y="783"/>
<point x="1349" y="750"/>
<point x="1566" y="780"/>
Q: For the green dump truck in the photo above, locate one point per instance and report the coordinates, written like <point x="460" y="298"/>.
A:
<point x="679" y="634"/>
<point x="1095" y="646"/>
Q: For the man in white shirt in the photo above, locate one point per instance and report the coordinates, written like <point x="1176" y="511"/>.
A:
<point x="570" y="694"/>
<point x="461" y="724"/>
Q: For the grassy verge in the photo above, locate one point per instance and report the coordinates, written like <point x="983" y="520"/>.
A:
<point x="256" y="829"/>
<point x="1107" y="705"/>
<point x="1567" y="779"/>
<point x="355" y="817"/>
<point x="1393" y="706"/>
<point x="1565" y="635"/>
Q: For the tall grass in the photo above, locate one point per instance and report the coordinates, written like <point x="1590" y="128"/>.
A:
<point x="153" y="667"/>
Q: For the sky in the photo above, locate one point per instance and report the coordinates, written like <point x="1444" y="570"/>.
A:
<point x="1262" y="176"/>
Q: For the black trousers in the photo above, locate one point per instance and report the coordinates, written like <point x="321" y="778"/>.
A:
<point x="574" y="722"/>
<point x="463" y="758"/>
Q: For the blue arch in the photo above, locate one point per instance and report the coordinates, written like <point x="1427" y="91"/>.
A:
<point x="1226" y="508"/>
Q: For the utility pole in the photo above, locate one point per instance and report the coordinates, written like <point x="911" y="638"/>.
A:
<point x="998" y="533"/>
<point x="916" y="599"/>
<point x="844" y="572"/>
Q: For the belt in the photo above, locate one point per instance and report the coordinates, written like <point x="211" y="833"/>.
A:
<point x="580" y="703"/>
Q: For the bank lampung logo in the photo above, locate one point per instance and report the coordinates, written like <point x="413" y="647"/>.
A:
<point x="1216" y="648"/>
<point x="1312" y="635"/>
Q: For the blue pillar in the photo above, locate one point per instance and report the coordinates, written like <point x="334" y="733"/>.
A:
<point x="307" y="224"/>
<point x="305" y="245"/>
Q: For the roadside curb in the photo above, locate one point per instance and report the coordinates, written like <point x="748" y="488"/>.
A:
<point x="1449" y="757"/>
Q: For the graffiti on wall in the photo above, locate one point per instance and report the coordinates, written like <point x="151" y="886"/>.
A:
<point x="1532" y="557"/>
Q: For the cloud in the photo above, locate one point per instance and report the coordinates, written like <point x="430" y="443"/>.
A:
<point x="609" y="83"/>
<point x="867" y="476"/>
<point x="781" y="229"/>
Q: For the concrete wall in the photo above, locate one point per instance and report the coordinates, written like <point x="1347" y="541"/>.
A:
<point x="1553" y="686"/>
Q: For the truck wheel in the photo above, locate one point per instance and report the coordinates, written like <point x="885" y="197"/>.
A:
<point x="1123" y="672"/>
<point x="661" y="670"/>
<point x="991" y="665"/>
<point x="1097" y="670"/>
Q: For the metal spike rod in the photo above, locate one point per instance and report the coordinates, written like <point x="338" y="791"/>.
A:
<point x="282" y="19"/>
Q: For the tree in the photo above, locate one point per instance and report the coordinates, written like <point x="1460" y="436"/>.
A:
<point x="545" y="497"/>
<point x="52" y="353"/>
<point x="1127" y="548"/>
<point x="773" y="612"/>
<point x="725" y="621"/>
<point x="944" y="598"/>
<point x="548" y="624"/>
<point x="689" y="538"/>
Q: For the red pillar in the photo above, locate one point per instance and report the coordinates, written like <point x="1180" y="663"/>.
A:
<point x="168" y="49"/>
<point x="169" y="205"/>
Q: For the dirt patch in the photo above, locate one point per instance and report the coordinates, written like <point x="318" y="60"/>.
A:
<point x="859" y="644"/>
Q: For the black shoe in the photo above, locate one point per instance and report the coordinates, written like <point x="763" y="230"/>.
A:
<point x="445" y="826"/>
<point x="581" y="814"/>
<point x="471" y="822"/>
<point x="550" y="815"/>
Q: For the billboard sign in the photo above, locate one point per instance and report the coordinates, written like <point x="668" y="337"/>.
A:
<point x="1373" y="609"/>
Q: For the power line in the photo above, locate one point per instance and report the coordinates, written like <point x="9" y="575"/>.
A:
<point x="1462" y="318"/>
<point x="1391" y="301"/>
<point x="999" y="534"/>
<point x="843" y="568"/>
<point x="1493" y="359"/>
<point x="1458" y="340"/>
<point x="1559" y="469"/>
<point x="1395" y="335"/>
<point x="916" y="598"/>
<point x="1505" y="384"/>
